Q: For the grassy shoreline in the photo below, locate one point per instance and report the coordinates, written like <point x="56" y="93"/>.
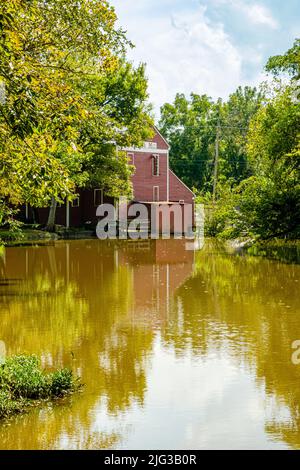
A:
<point x="23" y="385"/>
<point x="36" y="235"/>
<point x="287" y="251"/>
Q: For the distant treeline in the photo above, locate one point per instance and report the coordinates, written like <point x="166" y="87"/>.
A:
<point x="242" y="156"/>
<point x="69" y="98"/>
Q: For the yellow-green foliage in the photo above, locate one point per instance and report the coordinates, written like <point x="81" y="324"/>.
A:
<point x="65" y="92"/>
<point x="23" y="383"/>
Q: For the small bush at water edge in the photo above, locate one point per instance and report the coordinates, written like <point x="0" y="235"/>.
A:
<point x="23" y="383"/>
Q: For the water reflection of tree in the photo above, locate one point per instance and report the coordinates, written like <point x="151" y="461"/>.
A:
<point x="79" y="303"/>
<point x="78" y="298"/>
<point x="38" y="306"/>
<point x="249" y="308"/>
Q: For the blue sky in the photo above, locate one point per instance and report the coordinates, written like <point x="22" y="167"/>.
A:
<point x="206" y="46"/>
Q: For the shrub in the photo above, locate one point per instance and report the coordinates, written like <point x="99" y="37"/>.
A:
<point x="62" y="381"/>
<point x="23" y="383"/>
<point x="23" y="378"/>
<point x="8" y="406"/>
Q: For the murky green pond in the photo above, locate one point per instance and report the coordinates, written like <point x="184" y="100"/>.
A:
<point x="177" y="349"/>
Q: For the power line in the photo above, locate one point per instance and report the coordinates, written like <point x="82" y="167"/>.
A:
<point x="209" y="125"/>
<point x="208" y="161"/>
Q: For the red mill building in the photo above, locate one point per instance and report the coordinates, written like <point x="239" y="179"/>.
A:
<point x="154" y="183"/>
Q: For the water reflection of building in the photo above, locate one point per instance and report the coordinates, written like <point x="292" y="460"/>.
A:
<point x="88" y="298"/>
<point x="143" y="276"/>
<point x="105" y="302"/>
<point x="159" y="268"/>
<point x="71" y="259"/>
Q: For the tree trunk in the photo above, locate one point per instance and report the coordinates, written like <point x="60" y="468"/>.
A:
<point x="35" y="215"/>
<point x="51" y="217"/>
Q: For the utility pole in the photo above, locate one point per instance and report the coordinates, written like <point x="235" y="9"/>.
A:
<point x="216" y="163"/>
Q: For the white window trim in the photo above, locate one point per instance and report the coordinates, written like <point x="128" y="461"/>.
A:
<point x="150" y="145"/>
<point x="145" y="150"/>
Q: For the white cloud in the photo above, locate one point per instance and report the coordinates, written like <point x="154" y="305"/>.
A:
<point x="256" y="13"/>
<point x="183" y="53"/>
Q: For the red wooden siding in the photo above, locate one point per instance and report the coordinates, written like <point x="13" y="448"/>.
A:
<point x="159" y="140"/>
<point x="84" y="215"/>
<point x="178" y="190"/>
<point x="143" y="180"/>
<point x="147" y="187"/>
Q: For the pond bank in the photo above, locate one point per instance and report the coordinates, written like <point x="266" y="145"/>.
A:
<point x="279" y="249"/>
<point x="31" y="235"/>
<point x="132" y="318"/>
<point x="287" y="251"/>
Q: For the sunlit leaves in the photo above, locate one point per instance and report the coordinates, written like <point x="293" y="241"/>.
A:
<point x="286" y="63"/>
<point x="68" y="90"/>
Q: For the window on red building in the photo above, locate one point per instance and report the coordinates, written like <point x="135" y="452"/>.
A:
<point x="155" y="193"/>
<point x="151" y="145"/>
<point x="155" y="165"/>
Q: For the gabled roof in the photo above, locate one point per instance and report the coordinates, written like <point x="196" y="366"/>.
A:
<point x="183" y="184"/>
<point x="157" y="131"/>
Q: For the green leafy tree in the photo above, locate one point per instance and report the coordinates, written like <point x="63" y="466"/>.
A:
<point x="58" y="60"/>
<point x="286" y="63"/>
<point x="187" y="125"/>
<point x="191" y="128"/>
<point x="267" y="204"/>
<point x="236" y="114"/>
<point x="270" y="200"/>
<point x="120" y="119"/>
